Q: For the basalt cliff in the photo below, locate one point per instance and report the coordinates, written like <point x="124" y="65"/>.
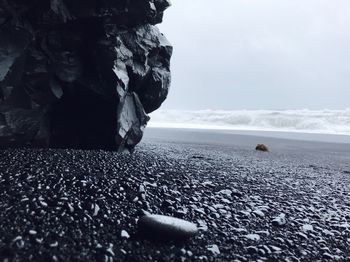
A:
<point x="80" y="73"/>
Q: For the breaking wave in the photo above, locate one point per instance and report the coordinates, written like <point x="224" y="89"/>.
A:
<point x="307" y="121"/>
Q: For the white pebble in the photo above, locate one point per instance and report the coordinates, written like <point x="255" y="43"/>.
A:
<point x="55" y="244"/>
<point x="214" y="249"/>
<point x="125" y="234"/>
<point x="308" y="227"/>
<point x="97" y="208"/>
<point x="254" y="237"/>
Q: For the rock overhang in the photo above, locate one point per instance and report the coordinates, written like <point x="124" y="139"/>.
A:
<point x="81" y="74"/>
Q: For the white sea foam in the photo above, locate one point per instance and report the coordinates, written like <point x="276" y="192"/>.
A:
<point x="307" y="121"/>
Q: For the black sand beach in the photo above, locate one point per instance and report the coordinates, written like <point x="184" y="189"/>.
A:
<point x="291" y="204"/>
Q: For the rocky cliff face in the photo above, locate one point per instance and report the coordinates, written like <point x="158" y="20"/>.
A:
<point x="80" y="73"/>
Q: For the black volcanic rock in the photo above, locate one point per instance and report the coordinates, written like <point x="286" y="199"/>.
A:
<point x="80" y="74"/>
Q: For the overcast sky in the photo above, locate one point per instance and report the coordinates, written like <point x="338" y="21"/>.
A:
<point x="259" y="54"/>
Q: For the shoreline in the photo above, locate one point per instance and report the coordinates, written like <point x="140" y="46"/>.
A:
<point x="289" y="135"/>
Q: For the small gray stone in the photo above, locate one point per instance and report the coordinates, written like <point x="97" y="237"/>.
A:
<point x="254" y="237"/>
<point x="307" y="227"/>
<point x="214" y="249"/>
<point x="166" y="227"/>
<point x="280" y="220"/>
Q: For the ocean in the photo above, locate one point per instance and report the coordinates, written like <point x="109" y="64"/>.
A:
<point x="313" y="125"/>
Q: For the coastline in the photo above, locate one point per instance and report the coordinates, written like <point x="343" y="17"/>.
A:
<point x="278" y="142"/>
<point x="290" y="135"/>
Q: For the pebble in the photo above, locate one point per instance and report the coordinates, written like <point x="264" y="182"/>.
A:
<point x="302" y="235"/>
<point x="308" y="227"/>
<point x="180" y="213"/>
<point x="226" y="192"/>
<point x="214" y="249"/>
<point x="237" y="193"/>
<point x="142" y="189"/>
<point x="109" y="250"/>
<point x="55" y="244"/>
<point x="96" y="210"/>
<point x="267" y="249"/>
<point x="202" y="225"/>
<point x="239" y="230"/>
<point x="17" y="239"/>
<point x="259" y="213"/>
<point x="39" y="240"/>
<point x="71" y="208"/>
<point x="125" y="234"/>
<point x="265" y="232"/>
<point x="252" y="250"/>
<point x="44" y="204"/>
<point x="327" y="232"/>
<point x="328" y="256"/>
<point x="276" y="249"/>
<point x="262" y="252"/>
<point x="166" y="227"/>
<point x="280" y="220"/>
<point x="254" y="237"/>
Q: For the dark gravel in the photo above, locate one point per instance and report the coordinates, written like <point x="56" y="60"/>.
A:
<point x="59" y="205"/>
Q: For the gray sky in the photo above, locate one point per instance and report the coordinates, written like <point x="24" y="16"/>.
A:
<point x="259" y="54"/>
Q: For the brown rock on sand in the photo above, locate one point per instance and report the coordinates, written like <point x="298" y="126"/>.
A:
<point x="262" y="147"/>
